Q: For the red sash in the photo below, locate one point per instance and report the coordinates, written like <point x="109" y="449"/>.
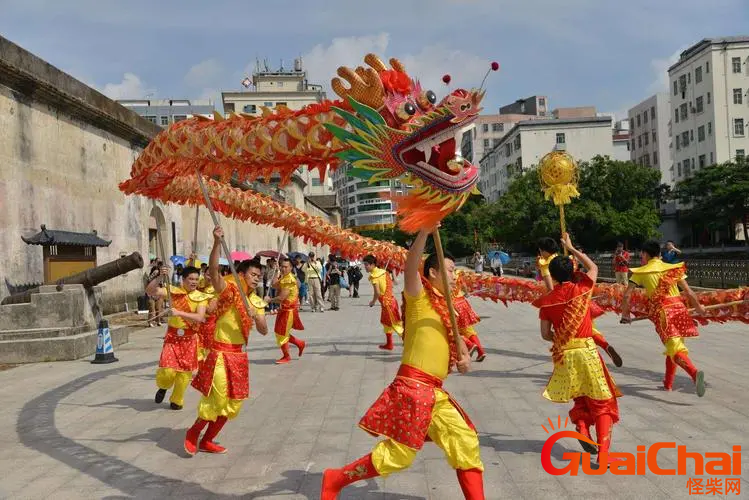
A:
<point x="179" y="352"/>
<point x="237" y="368"/>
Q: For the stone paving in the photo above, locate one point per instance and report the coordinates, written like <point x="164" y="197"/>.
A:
<point x="76" y="430"/>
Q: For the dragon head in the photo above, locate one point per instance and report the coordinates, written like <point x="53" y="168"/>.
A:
<point x="398" y="129"/>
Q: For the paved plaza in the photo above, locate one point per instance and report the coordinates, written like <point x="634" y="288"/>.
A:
<point x="76" y="430"/>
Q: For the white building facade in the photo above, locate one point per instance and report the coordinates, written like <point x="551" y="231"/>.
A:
<point x="650" y="142"/>
<point x="164" y="112"/>
<point x="362" y="204"/>
<point x="709" y="92"/>
<point x="528" y="141"/>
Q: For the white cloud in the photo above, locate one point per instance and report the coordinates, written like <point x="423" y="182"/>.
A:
<point x="428" y="65"/>
<point x="205" y="74"/>
<point x="131" y="87"/>
<point x="660" y="71"/>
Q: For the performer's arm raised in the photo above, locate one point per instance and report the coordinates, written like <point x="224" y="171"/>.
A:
<point x="413" y="263"/>
<point x="692" y="297"/>
<point x="218" y="281"/>
<point x="586" y="261"/>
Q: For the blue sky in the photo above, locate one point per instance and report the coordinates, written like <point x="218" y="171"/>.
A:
<point x="577" y="52"/>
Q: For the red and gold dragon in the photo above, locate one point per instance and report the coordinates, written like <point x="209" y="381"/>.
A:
<point x="385" y="124"/>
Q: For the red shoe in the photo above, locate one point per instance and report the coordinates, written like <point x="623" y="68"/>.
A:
<point x="388" y="345"/>
<point x="300" y="345"/>
<point x="334" y="480"/>
<point x="211" y="447"/>
<point x="286" y="357"/>
<point x="472" y="483"/>
<point x="283" y="360"/>
<point x="479" y="348"/>
<point x="191" y="438"/>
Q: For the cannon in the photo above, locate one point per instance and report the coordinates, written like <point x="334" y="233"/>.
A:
<point x="88" y="278"/>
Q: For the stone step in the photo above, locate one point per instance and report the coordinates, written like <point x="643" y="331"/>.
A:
<point x="41" y="333"/>
<point x="61" y="348"/>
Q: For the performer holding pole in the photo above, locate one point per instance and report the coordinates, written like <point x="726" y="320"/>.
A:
<point x="668" y="313"/>
<point x="431" y="347"/>
<point x="223" y="378"/>
<point x="382" y="285"/>
<point x="579" y="372"/>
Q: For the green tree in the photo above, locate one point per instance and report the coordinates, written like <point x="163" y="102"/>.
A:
<point x="719" y="195"/>
<point x="617" y="202"/>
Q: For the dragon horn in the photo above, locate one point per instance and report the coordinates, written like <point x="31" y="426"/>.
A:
<point x="397" y="65"/>
<point x="375" y="62"/>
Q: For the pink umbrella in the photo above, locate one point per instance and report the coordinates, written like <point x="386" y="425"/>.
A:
<point x="238" y="255"/>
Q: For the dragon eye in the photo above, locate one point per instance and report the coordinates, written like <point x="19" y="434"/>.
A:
<point x="465" y="107"/>
<point x="405" y="110"/>
<point x="427" y="99"/>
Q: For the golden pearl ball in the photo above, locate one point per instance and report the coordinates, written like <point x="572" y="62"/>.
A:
<point x="557" y="168"/>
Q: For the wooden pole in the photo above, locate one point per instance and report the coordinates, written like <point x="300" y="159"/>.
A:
<point x="448" y="291"/>
<point x="563" y="225"/>
<point x="160" y="242"/>
<point x="278" y="254"/>
<point x="224" y="246"/>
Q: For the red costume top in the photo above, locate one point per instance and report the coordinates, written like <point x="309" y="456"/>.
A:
<point x="180" y="350"/>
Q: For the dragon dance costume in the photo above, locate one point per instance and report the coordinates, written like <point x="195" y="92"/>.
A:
<point x="467" y="318"/>
<point x="579" y="372"/>
<point x="598" y="338"/>
<point x="224" y="378"/>
<point x="415" y="408"/>
<point x="670" y="316"/>
<point x="179" y="354"/>
<point x="288" y="318"/>
<point x="390" y="317"/>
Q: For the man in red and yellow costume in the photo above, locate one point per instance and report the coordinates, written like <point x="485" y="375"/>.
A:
<point x="224" y="378"/>
<point x="382" y="284"/>
<point x="579" y="372"/>
<point x="467" y="318"/>
<point x="288" y="317"/>
<point x="415" y="408"/>
<point x="672" y="321"/>
<point x="179" y="355"/>
<point x="547" y="250"/>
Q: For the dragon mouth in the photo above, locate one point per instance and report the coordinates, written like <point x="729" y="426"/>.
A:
<point x="432" y="155"/>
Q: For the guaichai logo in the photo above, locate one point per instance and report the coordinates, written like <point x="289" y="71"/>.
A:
<point x="630" y="464"/>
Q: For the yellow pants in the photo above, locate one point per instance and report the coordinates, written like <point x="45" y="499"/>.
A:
<point x="217" y="403"/>
<point x="447" y="430"/>
<point x="674" y="346"/>
<point x="166" y="378"/>
<point x="397" y="328"/>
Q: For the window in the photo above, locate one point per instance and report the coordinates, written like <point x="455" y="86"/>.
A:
<point x="560" y="138"/>
<point x="708" y="97"/>
<point x="739" y="153"/>
<point x="700" y="133"/>
<point x="249" y="108"/>
<point x="495" y="142"/>
<point x="179" y="118"/>
<point x="699" y="104"/>
<point x="676" y="115"/>
<point x="374" y="206"/>
<point x="692" y="163"/>
<point x="485" y="127"/>
<point x="639" y="141"/>
<point x="736" y="62"/>
<point x="654" y="136"/>
<point x="645" y="117"/>
<point x="638" y="120"/>
<point x="689" y="77"/>
<point x="687" y="170"/>
<point x="228" y="107"/>
<point x="517" y="142"/>
<point x="698" y="74"/>
<point x="541" y="102"/>
<point x="685" y="138"/>
<point x="352" y="199"/>
<point x="268" y="104"/>
<point x="655" y="158"/>
<point x="701" y="161"/>
<point x="646" y="160"/>
<point x="486" y="143"/>
<point x="367" y="196"/>
<point x="497" y="127"/>
<point x="676" y="87"/>
<point x="691" y="135"/>
<point x="709" y="128"/>
<point x="151" y="119"/>
<point x="164" y="121"/>
<point x="738" y="127"/>
<point x="683" y="85"/>
<point x="711" y="158"/>
<point x="652" y="112"/>
<point x="683" y="111"/>
<point x="508" y="149"/>
<point x="281" y="103"/>
<point x="678" y="143"/>
<point x="633" y="144"/>
<point x="707" y="67"/>
<point x="737" y="96"/>
<point x="316" y="182"/>
<point x="678" y="165"/>
<point x="647" y="138"/>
